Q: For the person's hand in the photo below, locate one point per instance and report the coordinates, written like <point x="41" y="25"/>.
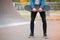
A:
<point x="40" y="9"/>
<point x="34" y="10"/>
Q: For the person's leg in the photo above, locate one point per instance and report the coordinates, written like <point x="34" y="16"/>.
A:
<point x="43" y="16"/>
<point x="33" y="15"/>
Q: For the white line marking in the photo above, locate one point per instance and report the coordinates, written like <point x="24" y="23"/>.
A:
<point x="15" y="24"/>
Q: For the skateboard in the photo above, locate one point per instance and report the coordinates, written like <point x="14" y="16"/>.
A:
<point x="28" y="7"/>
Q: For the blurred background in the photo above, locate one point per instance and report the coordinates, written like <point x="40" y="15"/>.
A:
<point x="53" y="12"/>
<point x="15" y="21"/>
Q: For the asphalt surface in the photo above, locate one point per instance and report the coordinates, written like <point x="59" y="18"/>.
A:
<point x="21" y="32"/>
<point x="14" y="27"/>
<point x="8" y="13"/>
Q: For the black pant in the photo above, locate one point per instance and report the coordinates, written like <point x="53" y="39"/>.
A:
<point x="43" y="17"/>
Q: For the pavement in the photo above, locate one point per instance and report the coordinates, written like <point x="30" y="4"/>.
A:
<point x="14" y="25"/>
<point x="8" y="13"/>
<point x="21" y="32"/>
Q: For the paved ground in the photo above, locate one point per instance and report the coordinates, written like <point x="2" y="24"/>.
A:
<point x="8" y="13"/>
<point x="14" y="27"/>
<point x="21" y="32"/>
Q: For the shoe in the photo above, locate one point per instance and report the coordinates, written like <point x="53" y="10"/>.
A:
<point x="45" y="36"/>
<point x="31" y="34"/>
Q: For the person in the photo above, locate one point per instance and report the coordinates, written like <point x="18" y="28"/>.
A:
<point x="41" y="11"/>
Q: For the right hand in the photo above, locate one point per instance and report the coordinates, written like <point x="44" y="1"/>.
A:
<point x="34" y="10"/>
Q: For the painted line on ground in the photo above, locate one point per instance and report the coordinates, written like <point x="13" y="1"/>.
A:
<point x="15" y="24"/>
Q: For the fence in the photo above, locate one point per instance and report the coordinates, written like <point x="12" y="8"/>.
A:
<point x="53" y="5"/>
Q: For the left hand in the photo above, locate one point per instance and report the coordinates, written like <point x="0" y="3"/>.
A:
<point x="40" y="9"/>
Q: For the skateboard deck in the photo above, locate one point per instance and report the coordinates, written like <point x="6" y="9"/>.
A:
<point x="28" y="7"/>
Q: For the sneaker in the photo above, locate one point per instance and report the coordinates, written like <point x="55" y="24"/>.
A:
<point x="45" y="36"/>
<point x="31" y="34"/>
